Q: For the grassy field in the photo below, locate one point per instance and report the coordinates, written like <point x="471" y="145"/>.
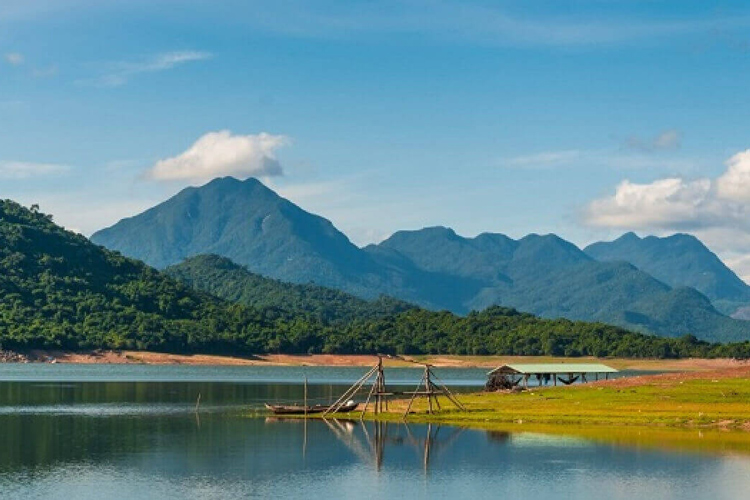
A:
<point x="718" y="399"/>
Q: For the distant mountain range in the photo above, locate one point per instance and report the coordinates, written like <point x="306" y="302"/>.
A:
<point x="678" y="260"/>
<point x="626" y="283"/>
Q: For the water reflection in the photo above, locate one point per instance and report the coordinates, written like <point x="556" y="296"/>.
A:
<point x="138" y="440"/>
<point x="225" y="455"/>
<point x="368" y="440"/>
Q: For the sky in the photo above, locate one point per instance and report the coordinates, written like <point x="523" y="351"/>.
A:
<point x="583" y="118"/>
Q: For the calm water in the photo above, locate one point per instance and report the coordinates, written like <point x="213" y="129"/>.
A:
<point x="66" y="432"/>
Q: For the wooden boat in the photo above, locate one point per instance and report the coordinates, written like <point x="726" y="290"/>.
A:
<point x="348" y="407"/>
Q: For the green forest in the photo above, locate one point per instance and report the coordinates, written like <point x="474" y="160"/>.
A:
<point x="223" y="278"/>
<point x="58" y="290"/>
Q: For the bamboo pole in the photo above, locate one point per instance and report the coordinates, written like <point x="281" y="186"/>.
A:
<point x="351" y="391"/>
<point x="453" y="399"/>
<point x="413" y="396"/>
<point x="427" y="387"/>
<point x="305" y="397"/>
<point x="367" y="402"/>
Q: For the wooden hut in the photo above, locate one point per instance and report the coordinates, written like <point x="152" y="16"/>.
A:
<point x="514" y="375"/>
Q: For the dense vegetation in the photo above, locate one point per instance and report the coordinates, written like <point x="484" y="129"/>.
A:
<point x="390" y="326"/>
<point x="500" y="330"/>
<point x="223" y="278"/>
<point x="434" y="267"/>
<point x="58" y="290"/>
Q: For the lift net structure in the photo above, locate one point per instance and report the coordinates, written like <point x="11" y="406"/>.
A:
<point x="379" y="395"/>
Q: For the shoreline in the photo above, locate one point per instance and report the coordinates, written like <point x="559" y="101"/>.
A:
<point x="361" y="360"/>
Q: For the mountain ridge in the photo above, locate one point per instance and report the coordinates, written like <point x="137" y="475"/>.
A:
<point x="678" y="260"/>
<point x="433" y="267"/>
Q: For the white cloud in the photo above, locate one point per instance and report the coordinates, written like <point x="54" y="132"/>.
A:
<point x="120" y="73"/>
<point x="734" y="184"/>
<point x="679" y="203"/>
<point x="545" y="159"/>
<point x="715" y="210"/>
<point x="25" y="170"/>
<point x="219" y="154"/>
<point x="621" y="160"/>
<point x="14" y="58"/>
<point x="671" y="202"/>
<point x="667" y="140"/>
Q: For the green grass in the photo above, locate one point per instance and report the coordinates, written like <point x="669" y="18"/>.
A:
<point x="704" y="412"/>
<point x="696" y="401"/>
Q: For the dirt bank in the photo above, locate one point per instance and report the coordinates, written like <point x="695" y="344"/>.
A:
<point x="485" y="362"/>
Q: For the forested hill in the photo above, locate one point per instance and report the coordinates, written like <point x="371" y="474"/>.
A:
<point x="57" y="289"/>
<point x="225" y="279"/>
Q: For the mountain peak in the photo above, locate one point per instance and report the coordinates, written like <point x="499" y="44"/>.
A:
<point x="629" y="237"/>
<point x="245" y="221"/>
<point x="678" y="260"/>
<point x="232" y="183"/>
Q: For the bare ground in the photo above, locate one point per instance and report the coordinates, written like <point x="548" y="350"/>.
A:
<point x="126" y="357"/>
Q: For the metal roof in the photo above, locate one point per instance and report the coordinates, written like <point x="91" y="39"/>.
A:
<point x="555" y="368"/>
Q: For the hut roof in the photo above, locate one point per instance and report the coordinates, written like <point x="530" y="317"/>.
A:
<point x="554" y="368"/>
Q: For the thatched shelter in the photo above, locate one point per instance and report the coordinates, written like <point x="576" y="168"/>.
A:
<point x="513" y="375"/>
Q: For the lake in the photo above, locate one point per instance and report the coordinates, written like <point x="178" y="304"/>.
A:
<point x="131" y="432"/>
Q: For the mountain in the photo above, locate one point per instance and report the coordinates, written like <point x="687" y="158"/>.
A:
<point x="678" y="260"/>
<point x="253" y="226"/>
<point x="433" y="267"/>
<point x="246" y="222"/>
<point x="550" y="277"/>
<point x="223" y="278"/>
<point x="58" y="290"/>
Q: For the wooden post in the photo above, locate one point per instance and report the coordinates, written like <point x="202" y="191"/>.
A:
<point x="428" y="388"/>
<point x="367" y="402"/>
<point x="304" y="430"/>
<point x="305" y="396"/>
<point x="380" y="387"/>
<point x="413" y="396"/>
<point x="554" y="377"/>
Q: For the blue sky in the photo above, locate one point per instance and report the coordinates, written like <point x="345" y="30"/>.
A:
<point x="584" y="118"/>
